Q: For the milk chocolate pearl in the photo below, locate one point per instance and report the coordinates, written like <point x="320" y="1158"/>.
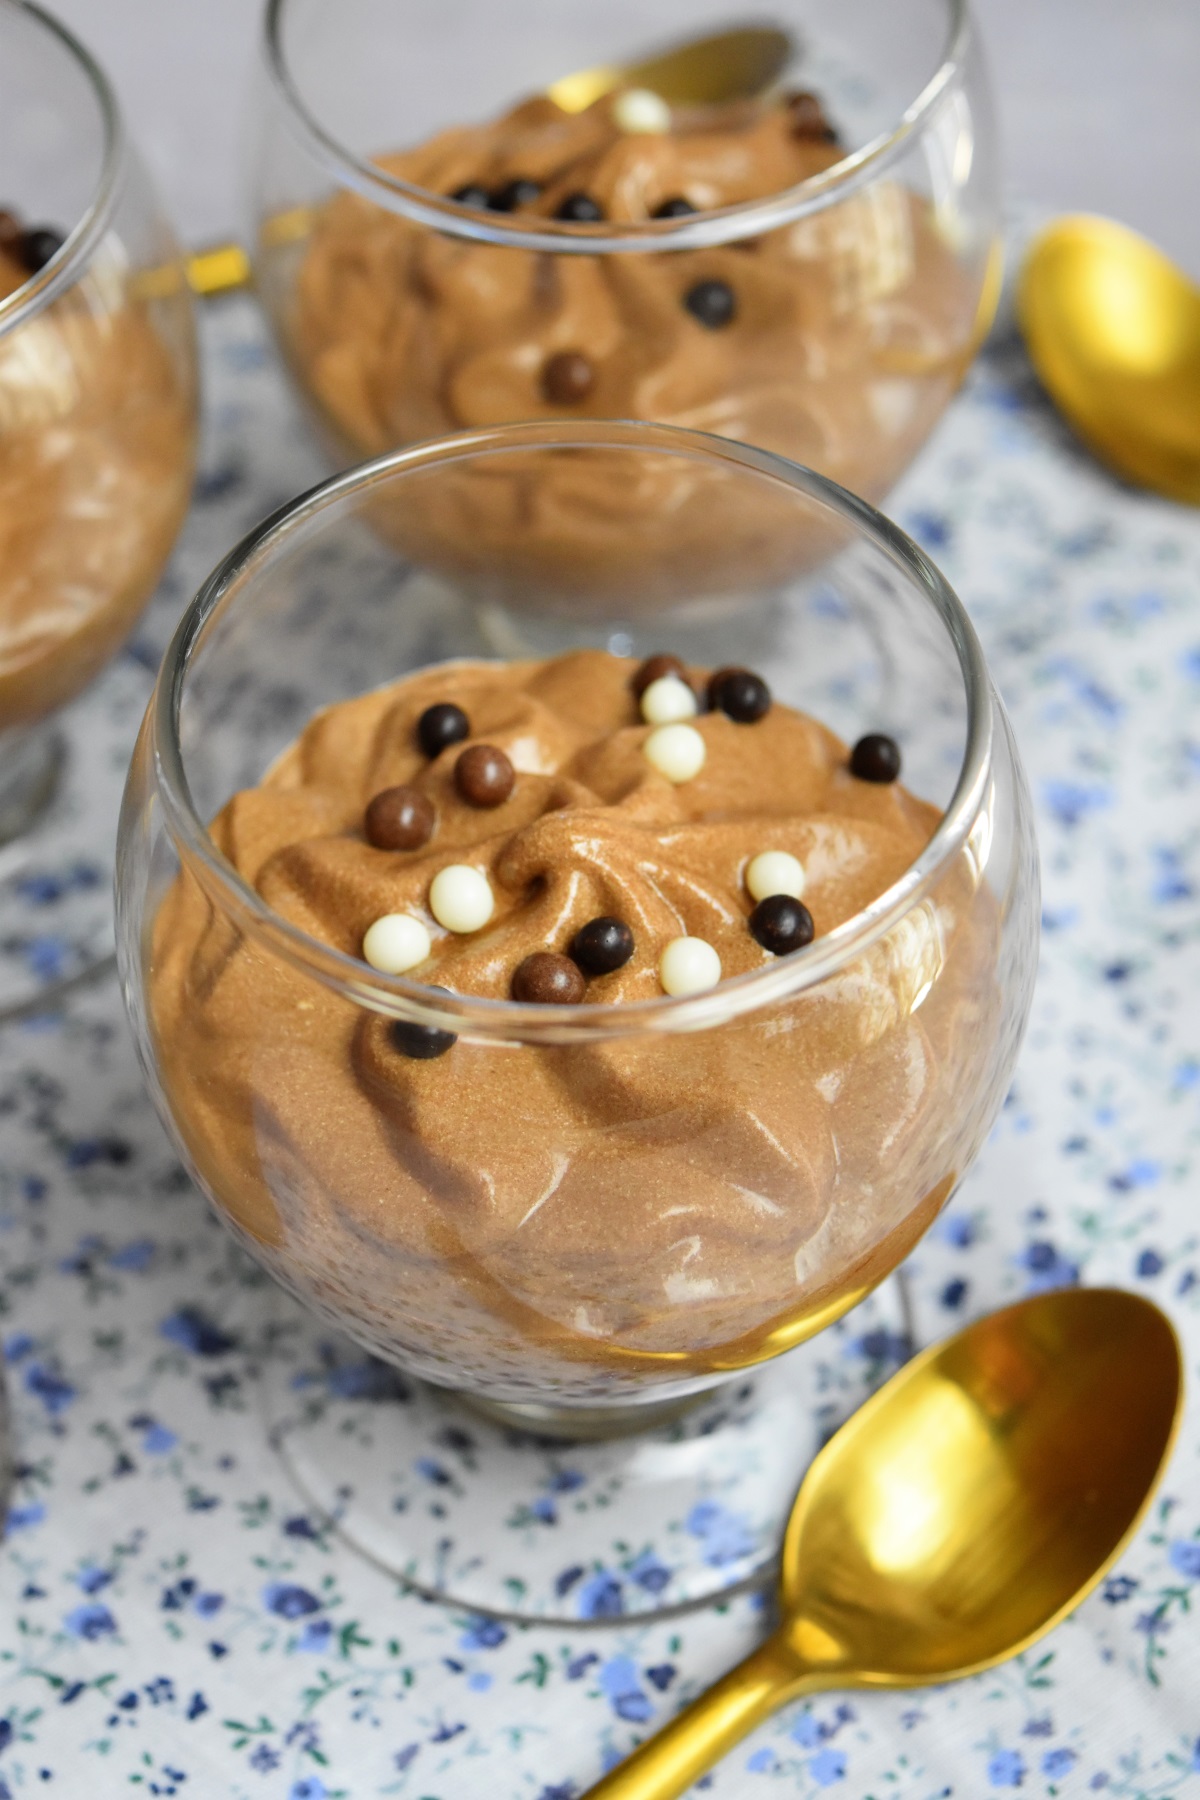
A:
<point x="781" y="924"/>
<point x="545" y="979"/>
<point x="602" y="945"/>
<point x="674" y="208"/>
<point x="421" y="1042"/>
<point x="653" y="669"/>
<point x="712" y="302"/>
<point x="39" y="245"/>
<point x="740" y="695"/>
<point x="472" y="195"/>
<point x="440" y="726"/>
<point x="875" y="758"/>
<point x="10" y="228"/>
<point x="484" y="776"/>
<point x="806" y="116"/>
<point x="515" y="194"/>
<point x="567" y="378"/>
<point x="580" y="209"/>
<point x="400" y="818"/>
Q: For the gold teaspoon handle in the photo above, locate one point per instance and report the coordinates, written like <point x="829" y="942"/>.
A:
<point x="667" y="1764"/>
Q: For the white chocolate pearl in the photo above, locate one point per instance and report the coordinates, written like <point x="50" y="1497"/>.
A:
<point x="775" y="872"/>
<point x="396" y="943"/>
<point x="460" y="898"/>
<point x="676" y="751"/>
<point x="668" y="700"/>
<point x="688" y="965"/>
<point x="640" y="110"/>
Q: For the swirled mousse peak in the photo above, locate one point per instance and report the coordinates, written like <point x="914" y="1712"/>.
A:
<point x="479" y="825"/>
<point x="539" y="1218"/>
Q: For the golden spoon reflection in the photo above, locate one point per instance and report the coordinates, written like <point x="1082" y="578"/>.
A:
<point x="730" y="65"/>
<point x="964" y="1510"/>
<point x="1113" y="329"/>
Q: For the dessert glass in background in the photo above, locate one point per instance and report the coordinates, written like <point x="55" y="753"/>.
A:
<point x="97" y="443"/>
<point x="493" y="1220"/>
<point x="824" y="304"/>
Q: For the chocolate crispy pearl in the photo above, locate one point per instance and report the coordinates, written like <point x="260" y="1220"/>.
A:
<point x="567" y="378"/>
<point x="580" y="209"/>
<point x="421" y="1042"/>
<point x="484" y="776"/>
<point x="653" y="669"/>
<point x="472" y="195"/>
<point x="515" y="194"/>
<point x="440" y="726"/>
<point x="740" y="695"/>
<point x="781" y="924"/>
<point x="674" y="208"/>
<point x="806" y="116"/>
<point x="713" y="303"/>
<point x="875" y="757"/>
<point x="602" y="946"/>
<point x="36" y="247"/>
<point x="399" y="818"/>
<point x="546" y="979"/>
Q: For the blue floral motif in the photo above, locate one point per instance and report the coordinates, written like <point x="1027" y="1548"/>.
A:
<point x="175" y="1620"/>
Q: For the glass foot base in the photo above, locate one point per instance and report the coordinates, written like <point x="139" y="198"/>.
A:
<point x="471" y="1510"/>
<point x="60" y="796"/>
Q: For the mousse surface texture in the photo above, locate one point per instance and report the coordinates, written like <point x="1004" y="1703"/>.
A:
<point x="575" y="1219"/>
<point x="96" y="456"/>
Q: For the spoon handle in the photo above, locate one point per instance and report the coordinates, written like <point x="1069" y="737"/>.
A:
<point x="667" y="1764"/>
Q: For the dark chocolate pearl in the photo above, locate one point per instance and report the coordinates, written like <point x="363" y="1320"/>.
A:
<point x="740" y="695"/>
<point x="806" y="116"/>
<point x="567" y="378"/>
<point x="422" y="1042"/>
<point x="39" y="245"/>
<point x="712" y="302"/>
<point x="580" y="209"/>
<point x="653" y="669"/>
<point x="440" y="726"/>
<point x="515" y="194"/>
<point x="400" y="818"/>
<point x="781" y="924"/>
<point x="875" y="758"/>
<point x="546" y="979"/>
<point x="674" y="208"/>
<point x="602" y="945"/>
<point x="484" y="776"/>
<point x="472" y="195"/>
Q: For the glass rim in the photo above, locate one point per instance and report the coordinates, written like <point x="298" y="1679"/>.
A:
<point x="406" y="998"/>
<point x="79" y="245"/>
<point x="722" y="225"/>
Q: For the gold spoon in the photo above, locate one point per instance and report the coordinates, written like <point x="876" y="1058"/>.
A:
<point x="730" y="65"/>
<point x="963" y="1511"/>
<point x="1113" y="329"/>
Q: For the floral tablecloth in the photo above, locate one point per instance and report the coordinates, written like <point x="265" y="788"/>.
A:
<point x="172" y="1621"/>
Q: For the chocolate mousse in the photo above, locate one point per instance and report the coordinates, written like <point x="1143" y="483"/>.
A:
<point x="579" y="1218"/>
<point x="835" y="340"/>
<point x="96" y="453"/>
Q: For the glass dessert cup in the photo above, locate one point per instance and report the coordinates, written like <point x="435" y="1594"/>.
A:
<point x="809" y="1117"/>
<point x="829" y="321"/>
<point x="97" y="440"/>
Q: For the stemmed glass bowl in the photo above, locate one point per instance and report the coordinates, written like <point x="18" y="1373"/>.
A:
<point x="862" y="290"/>
<point x="826" y="1105"/>
<point x="97" y="443"/>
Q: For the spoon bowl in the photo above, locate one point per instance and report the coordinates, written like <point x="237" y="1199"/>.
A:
<point x="1113" y="330"/>
<point x="969" y="1506"/>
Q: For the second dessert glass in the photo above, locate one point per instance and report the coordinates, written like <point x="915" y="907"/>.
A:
<point x="97" y="444"/>
<point x="595" y="1316"/>
<point x="404" y="312"/>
